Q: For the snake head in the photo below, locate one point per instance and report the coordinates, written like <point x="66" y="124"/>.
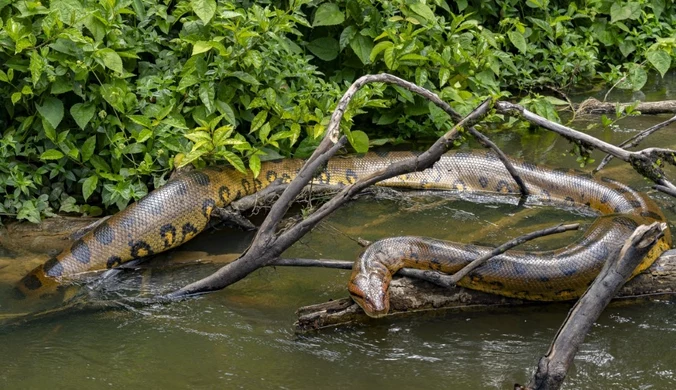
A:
<point x="370" y="291"/>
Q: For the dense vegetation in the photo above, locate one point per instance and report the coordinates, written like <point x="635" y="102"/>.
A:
<point x="101" y="99"/>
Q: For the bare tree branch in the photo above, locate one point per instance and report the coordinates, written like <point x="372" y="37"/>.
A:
<point x="553" y="367"/>
<point x="635" y="140"/>
<point x="647" y="162"/>
<point x="266" y="246"/>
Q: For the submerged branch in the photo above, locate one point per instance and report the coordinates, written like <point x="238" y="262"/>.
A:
<point x="552" y="368"/>
<point x="594" y="106"/>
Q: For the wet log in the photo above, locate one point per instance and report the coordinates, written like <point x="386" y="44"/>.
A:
<point x="413" y="297"/>
<point x="594" y="106"/>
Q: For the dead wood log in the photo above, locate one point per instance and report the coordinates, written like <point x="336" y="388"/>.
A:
<point x="594" y="106"/>
<point x="410" y="296"/>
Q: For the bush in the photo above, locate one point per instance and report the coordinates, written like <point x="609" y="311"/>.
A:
<point x="100" y="100"/>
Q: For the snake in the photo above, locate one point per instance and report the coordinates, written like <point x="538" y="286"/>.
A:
<point x="177" y="211"/>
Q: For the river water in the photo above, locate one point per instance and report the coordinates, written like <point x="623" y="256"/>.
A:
<point x="244" y="337"/>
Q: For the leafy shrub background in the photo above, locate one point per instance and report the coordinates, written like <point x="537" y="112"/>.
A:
<point x="101" y="99"/>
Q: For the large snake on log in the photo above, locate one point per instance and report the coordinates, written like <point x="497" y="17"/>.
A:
<point x="179" y="210"/>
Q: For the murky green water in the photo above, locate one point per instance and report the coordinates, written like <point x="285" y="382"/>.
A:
<point x="244" y="338"/>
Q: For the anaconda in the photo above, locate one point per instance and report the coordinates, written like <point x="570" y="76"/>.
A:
<point x="553" y="275"/>
<point x="176" y="212"/>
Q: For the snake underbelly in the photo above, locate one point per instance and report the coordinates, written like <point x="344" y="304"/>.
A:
<point x="176" y="212"/>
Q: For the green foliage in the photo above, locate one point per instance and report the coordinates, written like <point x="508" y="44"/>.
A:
<point x="100" y="100"/>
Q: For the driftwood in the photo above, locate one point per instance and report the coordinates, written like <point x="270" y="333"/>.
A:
<point x="409" y="296"/>
<point x="594" y="106"/>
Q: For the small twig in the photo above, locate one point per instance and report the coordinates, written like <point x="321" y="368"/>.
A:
<point x="635" y="140"/>
<point x="505" y="161"/>
<point x="552" y="368"/>
<point x="233" y="217"/>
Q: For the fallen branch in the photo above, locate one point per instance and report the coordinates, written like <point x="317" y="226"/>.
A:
<point x="410" y="296"/>
<point x="266" y="246"/>
<point x="552" y="368"/>
<point x="647" y="162"/>
<point x="594" y="106"/>
<point x="635" y="140"/>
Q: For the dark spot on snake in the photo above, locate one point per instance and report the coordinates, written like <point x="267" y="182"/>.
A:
<point x="168" y="234"/>
<point x="189" y="229"/>
<point x="271" y="176"/>
<point x="503" y="186"/>
<point x="31" y="282"/>
<point x="324" y="177"/>
<point x="207" y="207"/>
<point x="201" y="178"/>
<point x="651" y="215"/>
<point x="350" y="176"/>
<point x="519" y="268"/>
<point x="104" y="234"/>
<point x="560" y="171"/>
<point x="286" y="178"/>
<point x="604" y="199"/>
<point x="544" y="279"/>
<point x="569" y="200"/>
<point x="635" y="203"/>
<point x="382" y="153"/>
<point x="258" y="185"/>
<point x="140" y="249"/>
<point x="113" y="261"/>
<point x="483" y="181"/>
<point x="127" y="222"/>
<point x="53" y="268"/>
<point x="80" y="250"/>
<point x="224" y="194"/>
<point x="246" y="185"/>
<point x="569" y="271"/>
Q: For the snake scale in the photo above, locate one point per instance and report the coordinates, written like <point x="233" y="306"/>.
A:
<point x="179" y="210"/>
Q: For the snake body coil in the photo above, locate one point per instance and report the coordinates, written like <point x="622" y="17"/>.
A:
<point x="176" y="212"/>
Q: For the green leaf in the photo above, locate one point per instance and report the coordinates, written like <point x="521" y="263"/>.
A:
<point x="52" y="110"/>
<point x="258" y="121"/>
<point x="660" y="59"/>
<point x="82" y="113"/>
<point x="111" y="59"/>
<point x="88" y="148"/>
<point x="518" y="40"/>
<point x="359" y="141"/>
<point x="255" y="165"/>
<point x="37" y="65"/>
<point x="51" y="154"/>
<point x="201" y="47"/>
<point x="89" y="186"/>
<point x="207" y="95"/>
<point x="99" y="163"/>
<point x="424" y="11"/>
<point x="204" y="9"/>
<point x="234" y="160"/>
<point x="362" y="47"/>
<point x="328" y="14"/>
<point x="389" y="58"/>
<point x="619" y="11"/>
<point x="16" y="96"/>
<point x="380" y="46"/>
<point x="325" y="48"/>
<point x="346" y="36"/>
